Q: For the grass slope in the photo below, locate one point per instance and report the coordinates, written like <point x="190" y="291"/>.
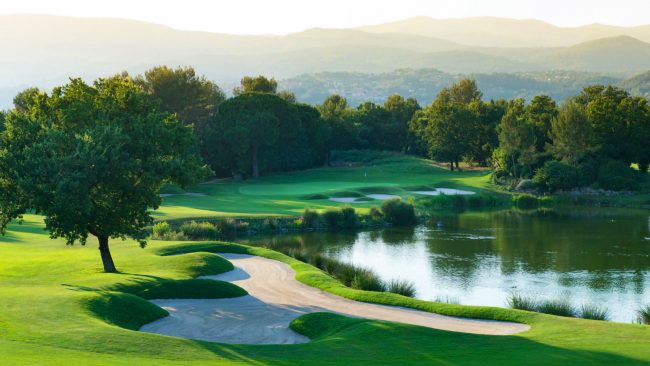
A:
<point x="290" y="193"/>
<point x="58" y="308"/>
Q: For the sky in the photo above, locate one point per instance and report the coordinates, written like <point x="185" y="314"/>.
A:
<point x="286" y="16"/>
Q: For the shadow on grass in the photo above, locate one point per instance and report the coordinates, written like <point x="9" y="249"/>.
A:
<point x="349" y="341"/>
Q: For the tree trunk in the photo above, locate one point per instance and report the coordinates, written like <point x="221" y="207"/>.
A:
<point x="451" y="165"/>
<point x="256" y="169"/>
<point x="107" y="259"/>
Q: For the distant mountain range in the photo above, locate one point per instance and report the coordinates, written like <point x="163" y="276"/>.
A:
<point x="424" y="84"/>
<point x="44" y="50"/>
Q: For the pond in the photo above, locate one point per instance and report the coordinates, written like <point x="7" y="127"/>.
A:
<point x="589" y="256"/>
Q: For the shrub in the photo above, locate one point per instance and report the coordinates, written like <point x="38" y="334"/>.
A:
<point x="560" y="307"/>
<point x="333" y="219"/>
<point x="349" y="218"/>
<point x="644" y="315"/>
<point x="398" y="212"/>
<point x="160" y="229"/>
<point x="517" y="301"/>
<point x="557" y="175"/>
<point x="365" y="279"/>
<point x="401" y="287"/>
<point x="594" y="312"/>
<point x="617" y="176"/>
<point x="310" y="218"/>
<point x="525" y="201"/>
<point x="200" y="230"/>
<point x="228" y="228"/>
<point x="375" y="215"/>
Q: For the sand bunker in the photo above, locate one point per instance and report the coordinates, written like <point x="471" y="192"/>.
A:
<point x="383" y="196"/>
<point x="276" y="298"/>
<point x="444" y="191"/>
<point x="344" y="199"/>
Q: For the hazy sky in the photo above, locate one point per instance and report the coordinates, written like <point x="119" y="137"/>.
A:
<point x="285" y="16"/>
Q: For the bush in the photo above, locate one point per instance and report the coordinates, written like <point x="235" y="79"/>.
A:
<point x="398" y="212"/>
<point x="365" y="279"/>
<point x="525" y="201"/>
<point x="617" y="176"/>
<point x="559" y="307"/>
<point x="333" y="219"/>
<point x="200" y="230"/>
<point x="375" y="215"/>
<point x="228" y="228"/>
<point x="557" y="175"/>
<point x="310" y="218"/>
<point x="644" y="315"/>
<point x="160" y="229"/>
<point x="594" y="312"/>
<point x="349" y="218"/>
<point x="401" y="287"/>
<point x="517" y="301"/>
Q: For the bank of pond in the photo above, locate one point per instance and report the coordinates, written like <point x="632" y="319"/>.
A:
<point x="580" y="262"/>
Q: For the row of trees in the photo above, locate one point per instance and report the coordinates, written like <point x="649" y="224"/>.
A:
<point x="592" y="137"/>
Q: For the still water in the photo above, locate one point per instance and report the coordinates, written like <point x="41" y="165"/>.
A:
<point x="594" y="256"/>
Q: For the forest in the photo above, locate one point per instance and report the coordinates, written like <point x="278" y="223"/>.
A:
<point x="594" y="139"/>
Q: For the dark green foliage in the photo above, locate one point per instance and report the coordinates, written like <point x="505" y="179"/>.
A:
<point x="91" y="159"/>
<point x="521" y="302"/>
<point x="193" y="99"/>
<point x="617" y="176"/>
<point x="367" y="280"/>
<point x="260" y="133"/>
<point x="593" y="312"/>
<point x="560" y="307"/>
<point x="557" y="175"/>
<point x="644" y="315"/>
<point x="525" y="201"/>
<point x="333" y="219"/>
<point x="405" y="288"/>
<point x="199" y="230"/>
<point x="349" y="219"/>
<point x="311" y="218"/>
<point x="398" y="212"/>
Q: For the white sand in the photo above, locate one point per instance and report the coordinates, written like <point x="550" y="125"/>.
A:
<point x="382" y="196"/>
<point x="276" y="298"/>
<point x="445" y="191"/>
<point x="344" y="199"/>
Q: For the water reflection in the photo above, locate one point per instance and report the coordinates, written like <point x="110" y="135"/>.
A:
<point x="592" y="256"/>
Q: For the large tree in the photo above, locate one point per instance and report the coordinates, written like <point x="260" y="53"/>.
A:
<point x="401" y="111"/>
<point x="257" y="84"/>
<point x="450" y="124"/>
<point x="572" y="134"/>
<point x="338" y="117"/>
<point x="91" y="159"/>
<point x="517" y="139"/>
<point x="194" y="99"/>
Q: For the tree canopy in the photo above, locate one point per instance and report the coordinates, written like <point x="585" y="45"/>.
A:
<point x="194" y="99"/>
<point x="91" y="159"/>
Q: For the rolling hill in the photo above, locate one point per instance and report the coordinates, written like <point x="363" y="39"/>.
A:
<point x="45" y="51"/>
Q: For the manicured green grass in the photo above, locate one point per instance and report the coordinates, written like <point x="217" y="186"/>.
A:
<point x="58" y="308"/>
<point x="290" y="193"/>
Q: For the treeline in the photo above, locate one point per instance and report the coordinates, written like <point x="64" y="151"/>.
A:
<point x="594" y="137"/>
